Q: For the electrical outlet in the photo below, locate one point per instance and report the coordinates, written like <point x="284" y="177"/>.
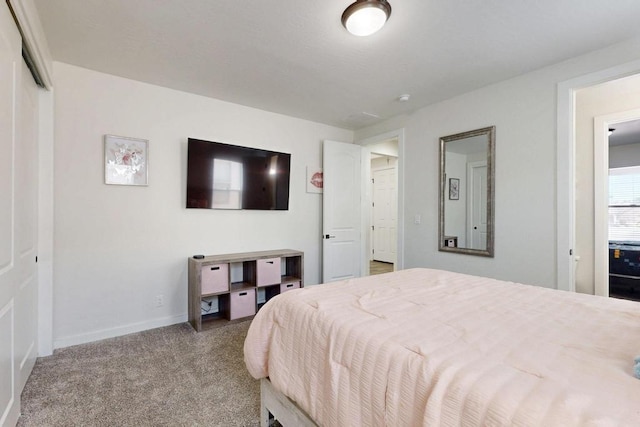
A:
<point x="159" y="300"/>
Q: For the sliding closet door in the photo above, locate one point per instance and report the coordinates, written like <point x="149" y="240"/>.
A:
<point x="18" y="220"/>
<point x="9" y="83"/>
<point x="26" y="226"/>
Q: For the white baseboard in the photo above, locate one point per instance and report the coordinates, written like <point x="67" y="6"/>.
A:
<point x="118" y="331"/>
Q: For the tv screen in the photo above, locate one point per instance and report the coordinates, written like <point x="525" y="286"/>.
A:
<point x="224" y="176"/>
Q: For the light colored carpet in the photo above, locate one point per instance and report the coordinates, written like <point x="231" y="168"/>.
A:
<point x="168" y="376"/>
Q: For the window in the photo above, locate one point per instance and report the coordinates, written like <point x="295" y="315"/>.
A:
<point x="227" y="184"/>
<point x="624" y="204"/>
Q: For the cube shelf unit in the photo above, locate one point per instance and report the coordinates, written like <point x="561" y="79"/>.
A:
<point x="240" y="284"/>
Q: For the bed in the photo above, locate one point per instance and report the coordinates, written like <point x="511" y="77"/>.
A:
<point x="423" y="347"/>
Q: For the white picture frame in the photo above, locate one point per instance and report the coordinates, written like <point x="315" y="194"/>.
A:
<point x="126" y="160"/>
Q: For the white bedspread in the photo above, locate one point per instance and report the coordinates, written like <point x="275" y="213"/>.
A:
<point x="434" y="348"/>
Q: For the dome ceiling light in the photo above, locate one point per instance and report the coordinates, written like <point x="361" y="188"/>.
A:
<point x="365" y="17"/>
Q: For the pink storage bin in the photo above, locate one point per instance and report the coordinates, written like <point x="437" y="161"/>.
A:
<point x="289" y="286"/>
<point x="242" y="304"/>
<point x="268" y="271"/>
<point x="215" y="278"/>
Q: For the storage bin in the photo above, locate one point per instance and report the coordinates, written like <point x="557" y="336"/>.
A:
<point x="268" y="271"/>
<point x="215" y="278"/>
<point x="242" y="304"/>
<point x="289" y="286"/>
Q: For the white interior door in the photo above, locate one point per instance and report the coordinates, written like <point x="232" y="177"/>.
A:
<point x="384" y="215"/>
<point x="9" y="274"/>
<point x="341" y="211"/>
<point x="18" y="219"/>
<point x="478" y="205"/>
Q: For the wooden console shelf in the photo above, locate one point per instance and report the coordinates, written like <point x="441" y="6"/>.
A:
<point x="239" y="284"/>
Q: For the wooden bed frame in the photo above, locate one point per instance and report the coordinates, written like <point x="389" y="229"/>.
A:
<point x="272" y="402"/>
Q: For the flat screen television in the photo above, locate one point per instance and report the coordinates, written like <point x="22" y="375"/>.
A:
<point x="224" y="176"/>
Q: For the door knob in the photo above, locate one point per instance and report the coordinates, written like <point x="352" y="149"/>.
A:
<point x="326" y="236"/>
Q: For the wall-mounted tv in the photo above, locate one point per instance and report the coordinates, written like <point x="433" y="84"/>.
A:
<point x="224" y="176"/>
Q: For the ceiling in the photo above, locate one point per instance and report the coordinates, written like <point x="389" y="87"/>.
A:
<point x="294" y="57"/>
<point x="625" y="133"/>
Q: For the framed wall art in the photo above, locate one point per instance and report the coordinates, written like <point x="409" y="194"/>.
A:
<point x="454" y="188"/>
<point x="314" y="180"/>
<point x="126" y="160"/>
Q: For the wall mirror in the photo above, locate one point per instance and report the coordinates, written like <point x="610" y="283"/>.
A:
<point x="466" y="192"/>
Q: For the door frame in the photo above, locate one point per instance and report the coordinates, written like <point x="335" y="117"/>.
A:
<point x="565" y="166"/>
<point x="398" y="134"/>
<point x="470" y="197"/>
<point x="601" y="125"/>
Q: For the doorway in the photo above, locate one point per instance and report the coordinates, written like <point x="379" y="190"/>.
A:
<point x="382" y="208"/>
<point x="351" y="198"/>
<point x="617" y="205"/>
<point x="477" y="205"/>
<point x="568" y="164"/>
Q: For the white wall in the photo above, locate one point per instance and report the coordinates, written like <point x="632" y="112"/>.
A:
<point x="385" y="148"/>
<point x="380" y="163"/>
<point x="118" y="247"/>
<point x="523" y="110"/>
<point x="612" y="97"/>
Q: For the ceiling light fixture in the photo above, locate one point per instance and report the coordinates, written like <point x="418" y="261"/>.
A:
<point x="365" y="17"/>
<point x="611" y="131"/>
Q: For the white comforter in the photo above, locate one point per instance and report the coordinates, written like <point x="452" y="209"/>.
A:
<point x="434" y="348"/>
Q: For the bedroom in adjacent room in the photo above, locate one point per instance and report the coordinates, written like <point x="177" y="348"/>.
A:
<point x="608" y="114"/>
<point x="624" y="210"/>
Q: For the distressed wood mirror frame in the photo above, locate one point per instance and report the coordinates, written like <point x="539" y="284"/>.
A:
<point x="469" y="241"/>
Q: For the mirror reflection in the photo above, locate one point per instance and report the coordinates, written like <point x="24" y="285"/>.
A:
<point x="466" y="192"/>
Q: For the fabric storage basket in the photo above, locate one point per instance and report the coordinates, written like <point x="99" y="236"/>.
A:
<point x="268" y="271"/>
<point x="242" y="304"/>
<point x="289" y="286"/>
<point x="215" y="278"/>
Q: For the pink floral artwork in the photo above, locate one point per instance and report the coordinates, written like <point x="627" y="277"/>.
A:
<point x="125" y="160"/>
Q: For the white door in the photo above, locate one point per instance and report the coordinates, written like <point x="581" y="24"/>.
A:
<point x="341" y="211"/>
<point x="26" y="208"/>
<point x="478" y="205"/>
<point x="384" y="215"/>
<point x="18" y="220"/>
